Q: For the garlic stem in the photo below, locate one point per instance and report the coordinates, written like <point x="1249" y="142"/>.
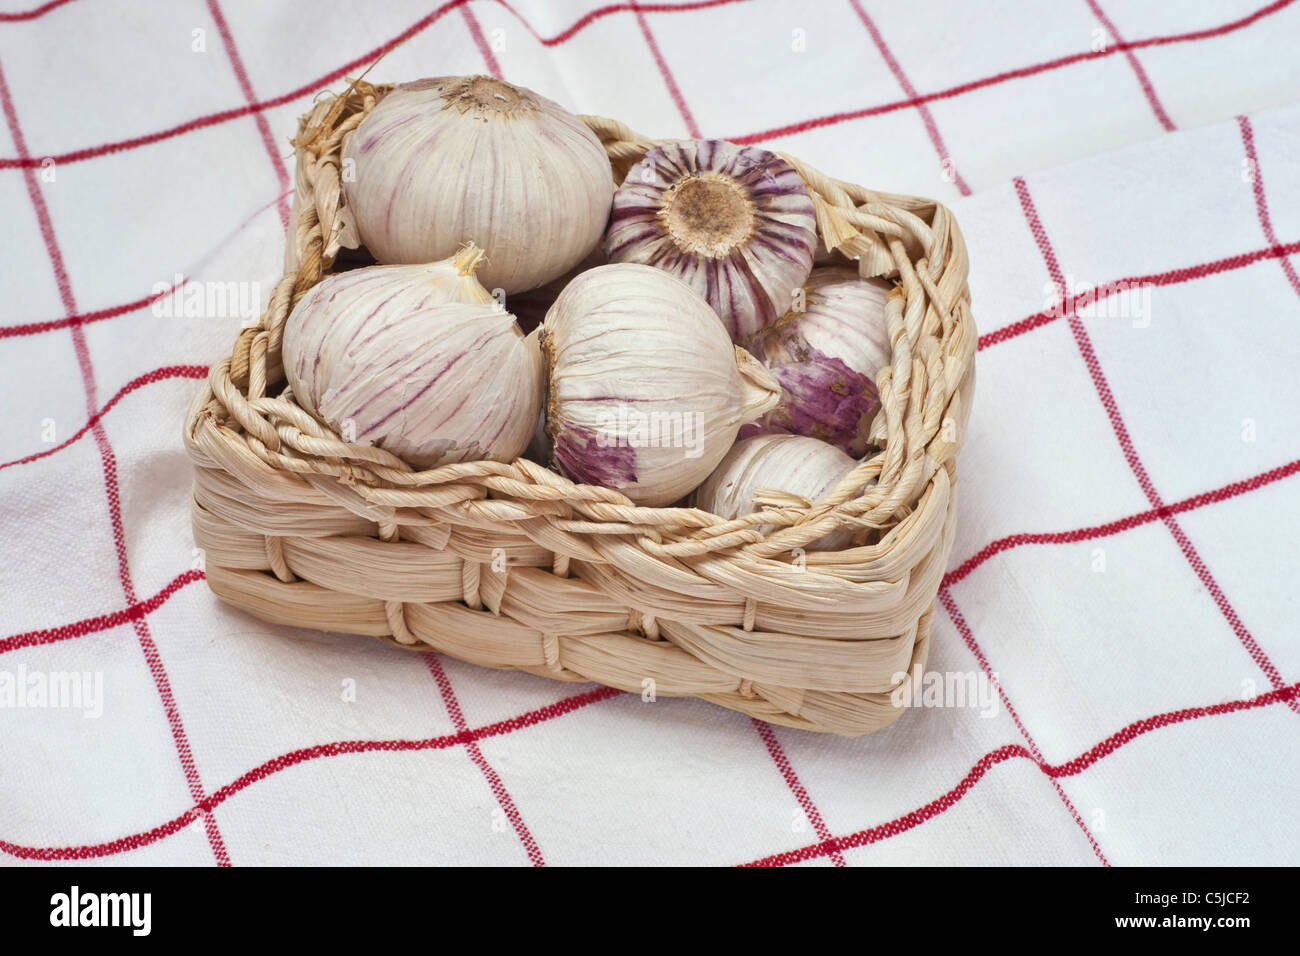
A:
<point x="467" y="259"/>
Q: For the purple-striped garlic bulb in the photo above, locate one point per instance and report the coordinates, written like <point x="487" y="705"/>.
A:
<point x="445" y="161"/>
<point x="646" y="391"/>
<point x="777" y="470"/>
<point x="374" y="294"/>
<point x="735" y="222"/>
<point x="418" y="360"/>
<point x="827" y="353"/>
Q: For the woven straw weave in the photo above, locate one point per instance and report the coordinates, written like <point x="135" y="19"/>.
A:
<point x="514" y="566"/>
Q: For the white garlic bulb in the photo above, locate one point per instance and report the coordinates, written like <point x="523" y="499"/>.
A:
<point x="373" y="295"/>
<point x="441" y="162"/>
<point x="646" y="391"/>
<point x="395" y="356"/>
<point x="789" y="465"/>
<point x="827" y="353"/>
<point x="735" y="222"/>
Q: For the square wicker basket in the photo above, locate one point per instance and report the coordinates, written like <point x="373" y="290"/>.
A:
<point x="514" y="566"/>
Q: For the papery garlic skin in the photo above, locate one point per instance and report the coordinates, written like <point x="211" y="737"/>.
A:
<point x="827" y="357"/>
<point x="345" y="307"/>
<point x="790" y="464"/>
<point x="444" y="161"/>
<point x="736" y="223"/>
<point x="646" y="391"/>
<point x="388" y="361"/>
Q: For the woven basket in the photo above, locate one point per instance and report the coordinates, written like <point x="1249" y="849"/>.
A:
<point x="514" y="566"/>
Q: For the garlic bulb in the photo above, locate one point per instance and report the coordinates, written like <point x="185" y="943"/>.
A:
<point x="787" y="465"/>
<point x="374" y="295"/>
<point x="826" y="357"/>
<point x="444" y="161"/>
<point x="735" y="222"/>
<point x="396" y="356"/>
<point x="646" y="392"/>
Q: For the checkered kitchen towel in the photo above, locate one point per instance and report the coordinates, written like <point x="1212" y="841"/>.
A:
<point x="1122" y="589"/>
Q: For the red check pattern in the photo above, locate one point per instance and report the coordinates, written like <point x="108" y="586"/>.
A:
<point x="520" y="760"/>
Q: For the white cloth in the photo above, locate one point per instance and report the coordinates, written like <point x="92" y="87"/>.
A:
<point x="131" y="155"/>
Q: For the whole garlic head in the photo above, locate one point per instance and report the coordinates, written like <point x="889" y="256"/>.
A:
<point x="736" y="223"/>
<point x="788" y="465"/>
<point x="826" y="354"/>
<point x="425" y="369"/>
<point x="646" y="391"/>
<point x="440" y="162"/>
